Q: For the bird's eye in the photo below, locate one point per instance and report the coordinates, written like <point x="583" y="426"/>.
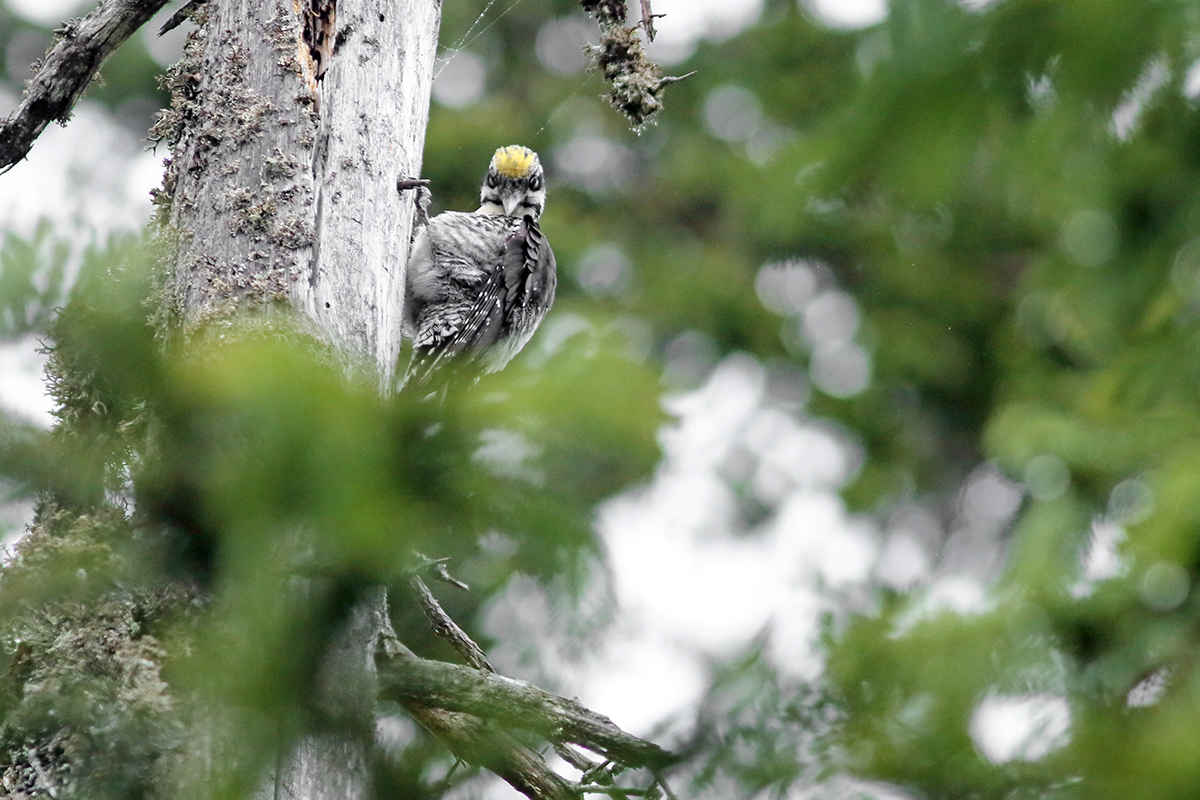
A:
<point x="535" y="182"/>
<point x="491" y="181"/>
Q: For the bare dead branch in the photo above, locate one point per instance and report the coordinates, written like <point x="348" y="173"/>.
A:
<point x="481" y="743"/>
<point x="447" y="629"/>
<point x="179" y="16"/>
<point x="574" y="758"/>
<point x="669" y="79"/>
<point x="491" y="697"/>
<point x="67" y="69"/>
<point x="403" y="184"/>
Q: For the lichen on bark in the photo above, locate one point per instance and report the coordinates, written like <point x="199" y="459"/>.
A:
<point x="241" y="121"/>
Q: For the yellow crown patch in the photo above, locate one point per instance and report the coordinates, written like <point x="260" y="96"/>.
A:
<point x="514" y="161"/>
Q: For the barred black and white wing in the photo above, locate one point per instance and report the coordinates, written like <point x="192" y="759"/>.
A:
<point x="497" y="310"/>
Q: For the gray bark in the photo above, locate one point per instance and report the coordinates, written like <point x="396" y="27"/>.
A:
<point x="334" y="766"/>
<point x="290" y="126"/>
<point x="374" y="107"/>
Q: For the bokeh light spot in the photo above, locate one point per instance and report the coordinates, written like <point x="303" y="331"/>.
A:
<point x="604" y="270"/>
<point x="593" y="162"/>
<point x="1047" y="477"/>
<point x="1090" y="237"/>
<point x="460" y="81"/>
<point x="1023" y="728"/>
<point x="1185" y="270"/>
<point x="1131" y="501"/>
<point x="46" y="12"/>
<point x="686" y="22"/>
<point x="832" y="316"/>
<point x="847" y="13"/>
<point x="732" y="113"/>
<point x="989" y="498"/>
<point x="560" y="44"/>
<point x="1191" y="81"/>
<point x="840" y="369"/>
<point x="903" y="564"/>
<point x="787" y="287"/>
<point x="1164" y="586"/>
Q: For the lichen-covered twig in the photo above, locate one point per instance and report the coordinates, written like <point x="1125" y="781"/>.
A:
<point x="635" y="82"/>
<point x="446" y="628"/>
<point x="68" y="68"/>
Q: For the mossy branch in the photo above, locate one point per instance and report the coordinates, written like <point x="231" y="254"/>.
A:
<point x="68" y="68"/>
<point x="635" y="82"/>
<point x="408" y="680"/>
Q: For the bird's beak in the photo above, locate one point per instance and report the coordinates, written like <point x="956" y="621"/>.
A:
<point x="510" y="203"/>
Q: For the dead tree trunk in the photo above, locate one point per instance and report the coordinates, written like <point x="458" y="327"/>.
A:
<point x="290" y="124"/>
<point x="290" y="128"/>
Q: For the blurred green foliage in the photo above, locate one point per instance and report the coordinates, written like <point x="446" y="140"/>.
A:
<point x="247" y="476"/>
<point x="32" y="281"/>
<point x="1009" y="194"/>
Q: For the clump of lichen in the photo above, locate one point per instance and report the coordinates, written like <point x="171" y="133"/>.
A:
<point x="86" y="712"/>
<point x="102" y="357"/>
<point x="279" y="165"/>
<point x="254" y="212"/>
<point x="635" y="82"/>
<point x="294" y="231"/>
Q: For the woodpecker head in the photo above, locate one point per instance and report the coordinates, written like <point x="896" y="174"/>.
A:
<point x="515" y="184"/>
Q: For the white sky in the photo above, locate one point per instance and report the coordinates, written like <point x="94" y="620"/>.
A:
<point x="46" y="12"/>
<point x="94" y="179"/>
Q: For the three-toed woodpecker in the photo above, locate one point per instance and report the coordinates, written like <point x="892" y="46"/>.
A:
<point x="479" y="283"/>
